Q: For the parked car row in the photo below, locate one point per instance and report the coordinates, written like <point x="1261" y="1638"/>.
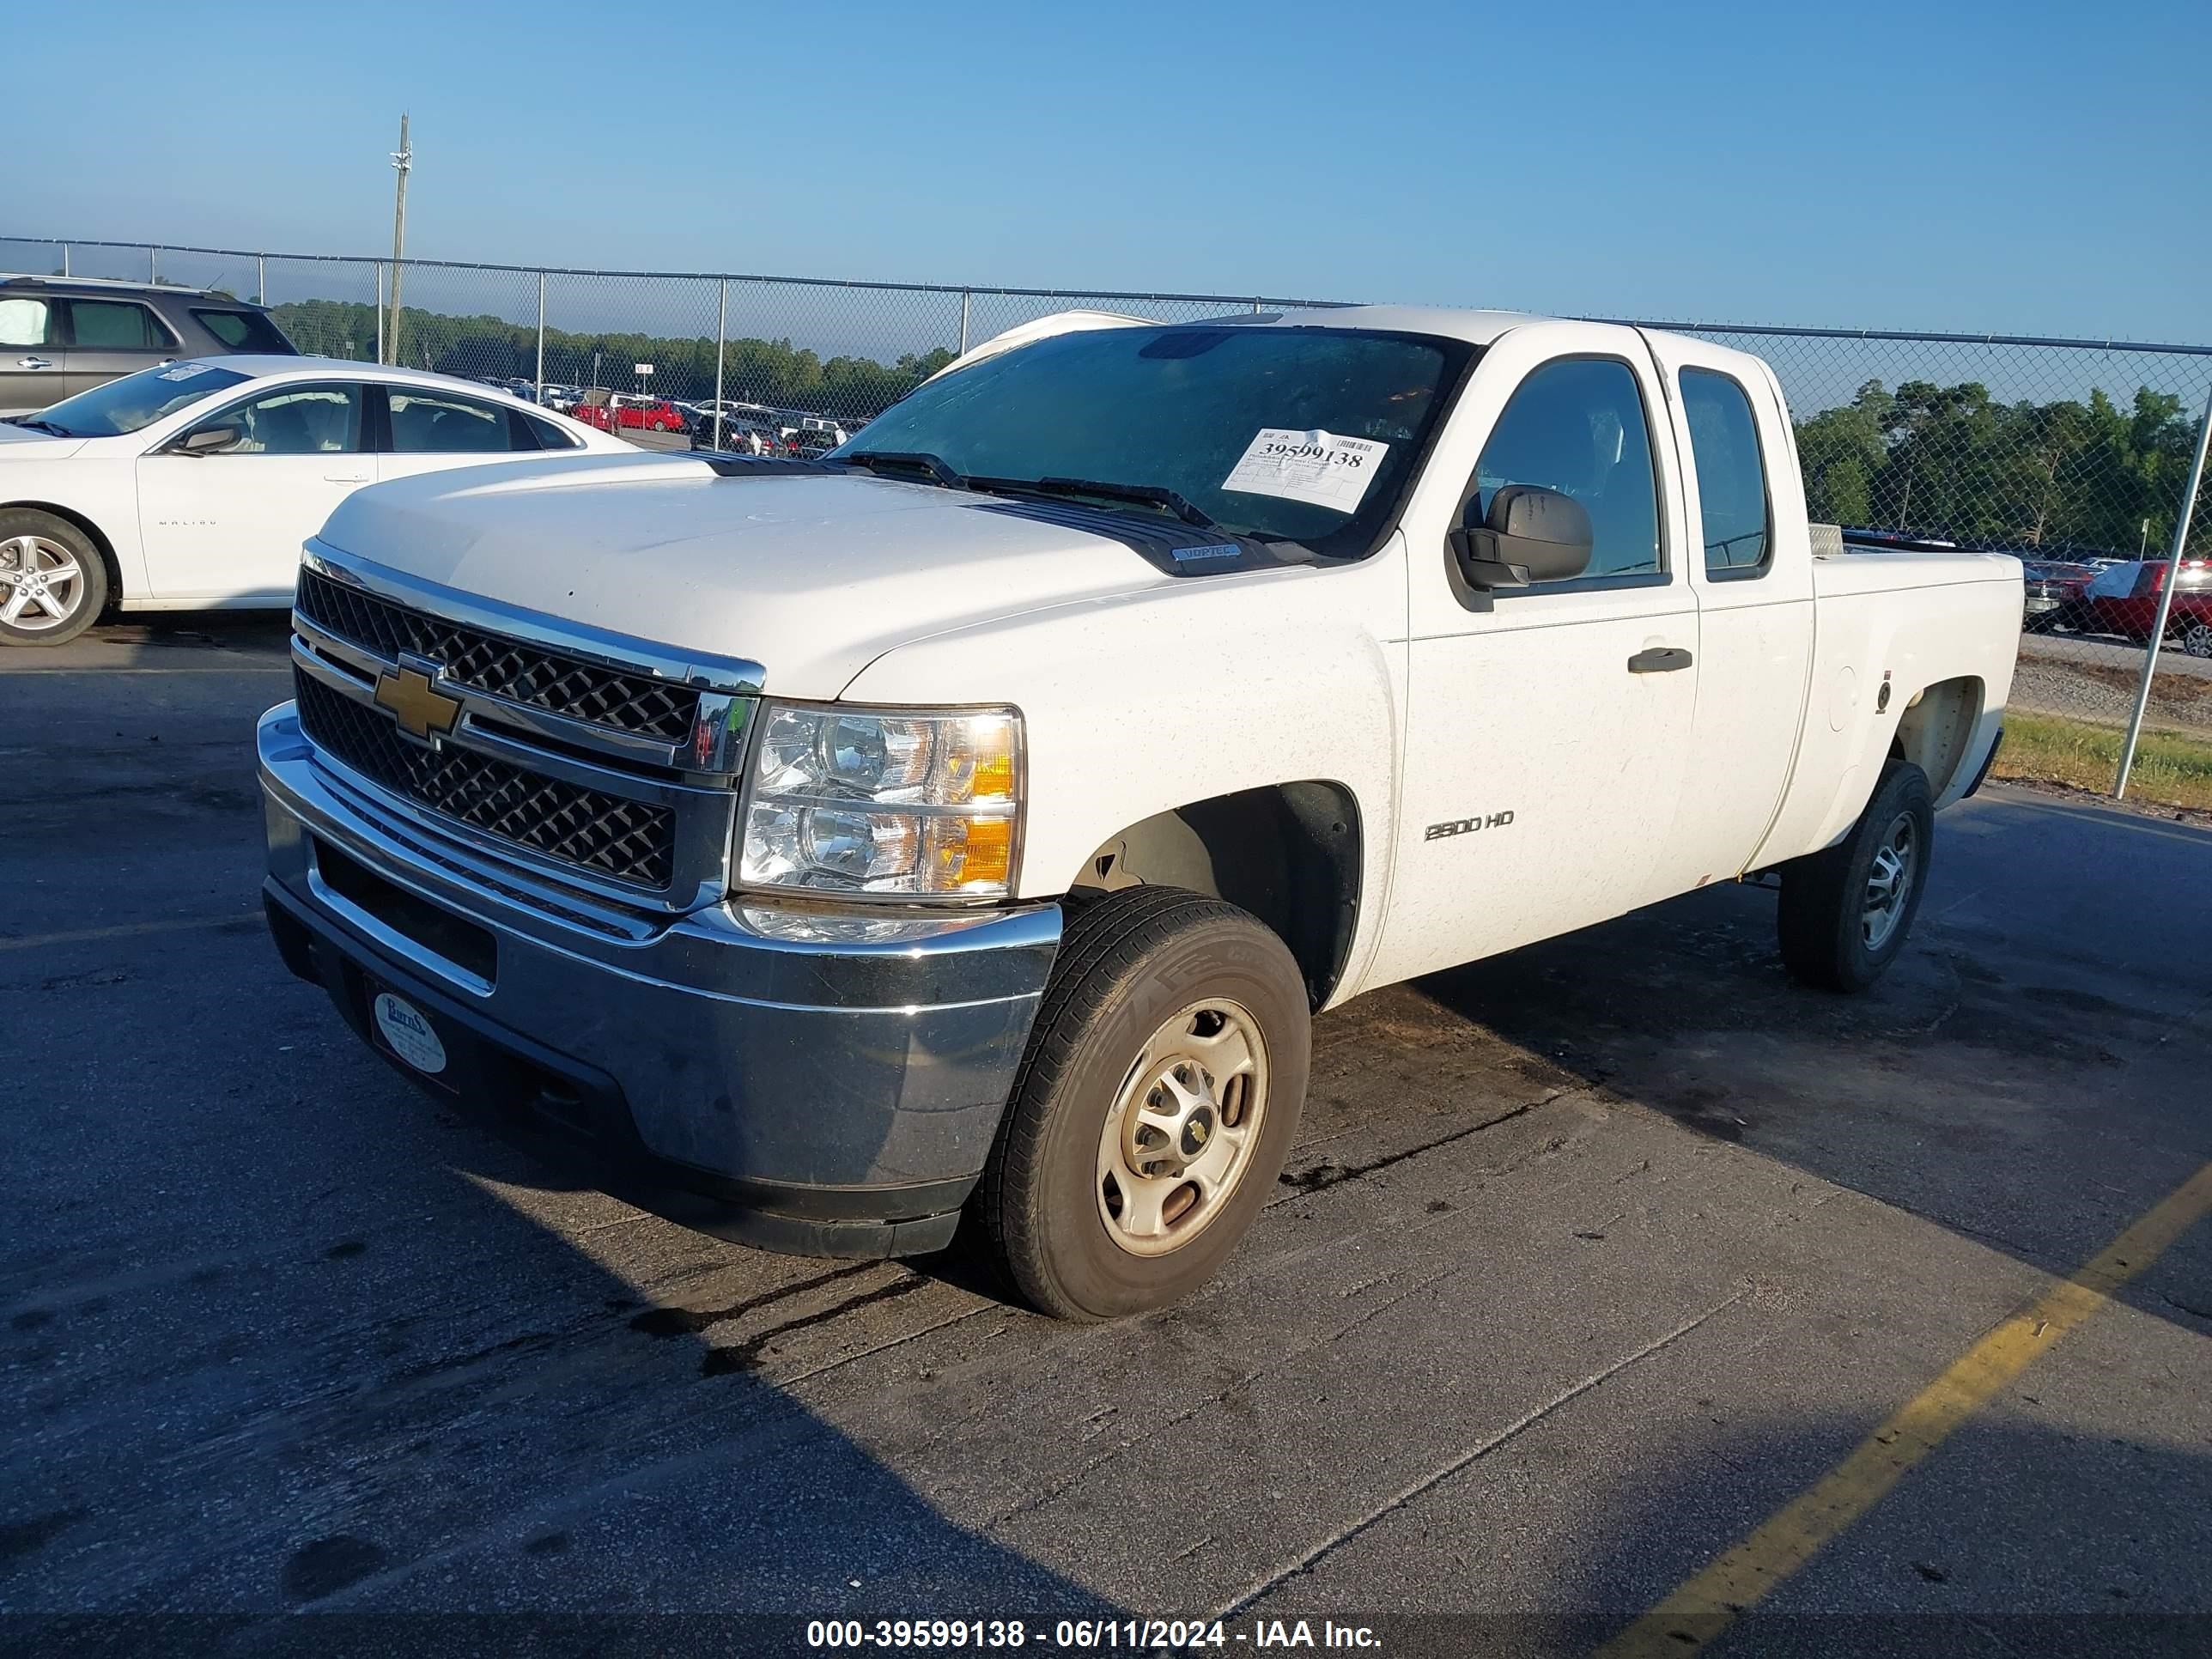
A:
<point x="2118" y="597"/>
<point x="814" y="435"/>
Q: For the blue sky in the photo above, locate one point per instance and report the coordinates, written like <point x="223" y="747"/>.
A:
<point x="2021" y="168"/>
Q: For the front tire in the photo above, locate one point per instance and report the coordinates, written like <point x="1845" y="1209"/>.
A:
<point x="53" y="583"/>
<point x="1846" y="912"/>
<point x="1160" y="1093"/>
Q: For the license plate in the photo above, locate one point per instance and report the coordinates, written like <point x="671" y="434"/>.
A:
<point x="407" y="1031"/>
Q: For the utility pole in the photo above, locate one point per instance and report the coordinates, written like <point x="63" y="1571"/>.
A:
<point x="403" y="162"/>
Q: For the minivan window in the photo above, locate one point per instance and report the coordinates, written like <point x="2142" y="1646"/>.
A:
<point x="116" y="325"/>
<point x="1731" y="473"/>
<point x="245" y="330"/>
<point x="135" y="400"/>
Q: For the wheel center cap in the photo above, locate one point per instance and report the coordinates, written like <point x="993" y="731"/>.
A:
<point x="1197" y="1132"/>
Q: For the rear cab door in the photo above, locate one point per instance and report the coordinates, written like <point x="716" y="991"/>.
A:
<point x="1750" y="564"/>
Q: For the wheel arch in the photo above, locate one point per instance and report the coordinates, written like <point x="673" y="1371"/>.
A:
<point x="98" y="537"/>
<point x="1937" y="732"/>
<point x="1290" y="854"/>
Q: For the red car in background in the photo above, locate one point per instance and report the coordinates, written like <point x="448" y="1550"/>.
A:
<point x="646" y="414"/>
<point x="2124" y="600"/>
<point x="2056" y="594"/>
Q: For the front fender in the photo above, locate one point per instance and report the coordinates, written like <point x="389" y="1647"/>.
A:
<point x="1137" y="704"/>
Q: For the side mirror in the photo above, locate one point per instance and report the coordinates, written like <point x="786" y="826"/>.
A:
<point x="211" y="441"/>
<point x="1530" y="535"/>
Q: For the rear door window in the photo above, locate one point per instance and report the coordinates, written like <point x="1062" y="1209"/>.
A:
<point x="116" y="325"/>
<point x="1732" y="499"/>
<point x="424" y="423"/>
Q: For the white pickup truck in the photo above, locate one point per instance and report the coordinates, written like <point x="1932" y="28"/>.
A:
<point x="968" y="822"/>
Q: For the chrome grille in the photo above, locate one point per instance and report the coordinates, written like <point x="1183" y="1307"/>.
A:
<point x="633" y="840"/>
<point x="500" y="667"/>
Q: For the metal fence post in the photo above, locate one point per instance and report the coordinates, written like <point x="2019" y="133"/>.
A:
<point x="721" y="334"/>
<point x="154" y="265"/>
<point x="65" y="270"/>
<point x="261" y="279"/>
<point x="541" y="339"/>
<point x="2165" y="601"/>
<point x="380" y="311"/>
<point x="966" y="300"/>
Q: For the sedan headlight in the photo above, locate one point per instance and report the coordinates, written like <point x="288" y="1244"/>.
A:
<point x="904" y="803"/>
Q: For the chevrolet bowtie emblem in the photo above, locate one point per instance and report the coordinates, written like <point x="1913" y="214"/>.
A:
<point x="419" y="707"/>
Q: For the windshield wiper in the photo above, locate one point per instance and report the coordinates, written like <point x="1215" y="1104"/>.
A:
<point x="31" y="423"/>
<point x="910" y="460"/>
<point x="1154" y="495"/>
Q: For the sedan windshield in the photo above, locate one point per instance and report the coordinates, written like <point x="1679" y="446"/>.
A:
<point x="1285" y="433"/>
<point x="135" y="401"/>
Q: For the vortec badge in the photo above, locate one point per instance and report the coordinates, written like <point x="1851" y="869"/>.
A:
<point x="1466" y="826"/>
<point x="419" y="707"/>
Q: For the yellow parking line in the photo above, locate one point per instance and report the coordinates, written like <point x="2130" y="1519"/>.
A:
<point x="1709" y="1603"/>
<point x="126" y="930"/>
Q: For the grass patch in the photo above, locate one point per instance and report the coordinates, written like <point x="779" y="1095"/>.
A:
<point x="2170" y="769"/>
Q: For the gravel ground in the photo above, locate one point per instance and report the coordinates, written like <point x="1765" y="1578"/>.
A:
<point x="2092" y="680"/>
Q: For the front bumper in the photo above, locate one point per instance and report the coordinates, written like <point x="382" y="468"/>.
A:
<point x="835" y="1094"/>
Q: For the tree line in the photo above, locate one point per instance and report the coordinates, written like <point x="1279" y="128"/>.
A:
<point x="771" y="372"/>
<point x="1951" y="462"/>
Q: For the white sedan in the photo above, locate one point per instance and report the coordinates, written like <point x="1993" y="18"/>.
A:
<point x="192" y="485"/>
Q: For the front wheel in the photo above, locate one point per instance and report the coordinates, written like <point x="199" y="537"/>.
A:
<point x="53" y="583"/>
<point x="2197" y="639"/>
<point x="1846" y="912"/>
<point x="1160" y="1093"/>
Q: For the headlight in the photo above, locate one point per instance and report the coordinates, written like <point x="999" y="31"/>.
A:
<point x="901" y="804"/>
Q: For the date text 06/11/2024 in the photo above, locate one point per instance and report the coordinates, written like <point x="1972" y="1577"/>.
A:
<point x="1087" y="1635"/>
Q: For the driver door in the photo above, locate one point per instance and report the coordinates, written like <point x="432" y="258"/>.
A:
<point x="1547" y="727"/>
<point x="225" y="526"/>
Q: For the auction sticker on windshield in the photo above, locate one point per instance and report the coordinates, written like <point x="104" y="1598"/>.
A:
<point x="410" y="1034"/>
<point x="1316" y="467"/>
<point x="186" y="371"/>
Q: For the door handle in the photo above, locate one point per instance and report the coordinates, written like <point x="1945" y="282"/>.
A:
<point x="345" y="477"/>
<point x="1659" y="660"/>
<point x="34" y="363"/>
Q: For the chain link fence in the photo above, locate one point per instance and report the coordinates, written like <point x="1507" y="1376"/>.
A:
<point x="2073" y="453"/>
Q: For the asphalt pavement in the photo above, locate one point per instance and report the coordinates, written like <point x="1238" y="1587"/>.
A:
<point x="1592" y="1258"/>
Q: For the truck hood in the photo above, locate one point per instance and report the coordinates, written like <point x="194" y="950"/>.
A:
<point x="812" y="576"/>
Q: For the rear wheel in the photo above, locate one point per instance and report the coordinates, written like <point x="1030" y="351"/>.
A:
<point x="1846" y="912"/>
<point x="53" y="583"/>
<point x="1162" y="1088"/>
<point x="2197" y="639"/>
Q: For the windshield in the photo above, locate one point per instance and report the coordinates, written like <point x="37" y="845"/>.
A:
<point x="1304" y="434"/>
<point x="135" y="401"/>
